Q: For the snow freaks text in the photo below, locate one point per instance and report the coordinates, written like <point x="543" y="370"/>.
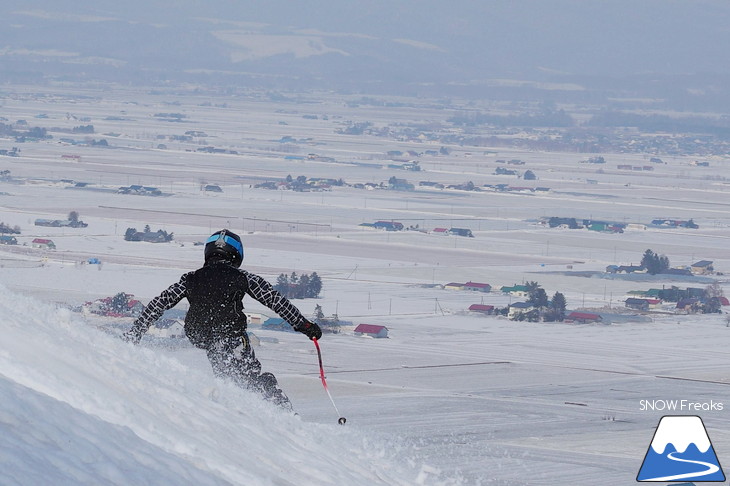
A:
<point x="679" y="406"/>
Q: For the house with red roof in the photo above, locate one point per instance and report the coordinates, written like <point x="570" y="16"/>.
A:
<point x="43" y="244"/>
<point x="371" y="330"/>
<point x="583" y="317"/>
<point x="477" y="287"/>
<point x="482" y="308"/>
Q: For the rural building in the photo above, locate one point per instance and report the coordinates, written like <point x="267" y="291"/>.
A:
<point x="703" y="267"/>
<point x="454" y="286"/>
<point x="60" y="223"/>
<point x="168" y="328"/>
<point x="8" y="240"/>
<point x="519" y="308"/>
<point x="371" y="330"/>
<point x="213" y="188"/>
<point x="625" y="269"/>
<point x="516" y="290"/>
<point x="482" y="308"/>
<point x="638" y="304"/>
<point x="389" y="225"/>
<point x="461" y="232"/>
<point x="140" y="190"/>
<point x="688" y="306"/>
<point x="255" y="319"/>
<point x="43" y="244"/>
<point x="477" y="287"/>
<point x="276" y="324"/>
<point x="583" y="317"/>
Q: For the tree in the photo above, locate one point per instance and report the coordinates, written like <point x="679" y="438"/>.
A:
<point x="318" y="314"/>
<point x="538" y="298"/>
<point x="282" y="284"/>
<point x="654" y="263"/>
<point x="558" y="305"/>
<point x="73" y="216"/>
<point x="303" y="287"/>
<point x="529" y="175"/>
<point x="712" y="303"/>
<point x="315" y="285"/>
<point x="129" y="234"/>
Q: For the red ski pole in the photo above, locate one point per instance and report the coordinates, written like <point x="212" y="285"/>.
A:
<point x="342" y="419"/>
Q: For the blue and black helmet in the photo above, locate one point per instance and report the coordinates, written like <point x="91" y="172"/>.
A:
<point x="224" y="245"/>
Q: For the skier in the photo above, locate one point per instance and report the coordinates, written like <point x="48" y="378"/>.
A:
<point x="215" y="320"/>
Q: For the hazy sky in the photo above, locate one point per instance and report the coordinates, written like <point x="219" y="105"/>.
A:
<point x="405" y="41"/>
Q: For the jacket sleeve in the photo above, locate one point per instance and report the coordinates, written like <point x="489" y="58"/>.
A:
<point x="264" y="292"/>
<point x="156" y="307"/>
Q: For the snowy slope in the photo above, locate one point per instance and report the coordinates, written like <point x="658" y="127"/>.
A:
<point x="78" y="406"/>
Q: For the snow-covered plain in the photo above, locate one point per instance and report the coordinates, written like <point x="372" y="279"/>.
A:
<point x="450" y="398"/>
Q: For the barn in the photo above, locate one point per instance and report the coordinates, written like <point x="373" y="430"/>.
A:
<point x="482" y="308"/>
<point x="43" y="244"/>
<point x="371" y="330"/>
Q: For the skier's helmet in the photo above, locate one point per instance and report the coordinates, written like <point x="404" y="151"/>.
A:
<point x="224" y="245"/>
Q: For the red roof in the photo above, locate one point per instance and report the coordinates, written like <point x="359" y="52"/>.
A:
<point x="42" y="241"/>
<point x="440" y="230"/>
<point x="477" y="285"/>
<point x="583" y="316"/>
<point x="369" y="328"/>
<point x="481" y="308"/>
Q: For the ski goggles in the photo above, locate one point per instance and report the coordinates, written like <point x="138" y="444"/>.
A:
<point x="222" y="238"/>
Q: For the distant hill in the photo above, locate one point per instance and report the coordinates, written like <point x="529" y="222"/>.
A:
<point x="654" y="48"/>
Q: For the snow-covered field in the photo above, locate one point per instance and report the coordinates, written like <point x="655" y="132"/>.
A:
<point x="449" y="398"/>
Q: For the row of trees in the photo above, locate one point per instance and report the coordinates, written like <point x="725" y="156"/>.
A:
<point x="304" y="286"/>
<point x="549" y="310"/>
<point x="6" y="229"/>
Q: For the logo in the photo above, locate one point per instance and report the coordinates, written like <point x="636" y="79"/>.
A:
<point x="680" y="451"/>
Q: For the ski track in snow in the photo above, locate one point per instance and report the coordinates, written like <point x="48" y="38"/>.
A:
<point x="79" y="406"/>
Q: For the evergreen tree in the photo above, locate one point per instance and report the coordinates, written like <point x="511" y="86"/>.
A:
<point x="315" y="285"/>
<point x="318" y="314"/>
<point x="654" y="263"/>
<point x="557" y="307"/>
<point x="537" y="297"/>
<point x="282" y="284"/>
<point x="303" y="287"/>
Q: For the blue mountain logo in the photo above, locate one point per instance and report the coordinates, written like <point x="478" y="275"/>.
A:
<point x="680" y="451"/>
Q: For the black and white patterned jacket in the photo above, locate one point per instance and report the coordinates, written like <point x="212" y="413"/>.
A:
<point x="215" y="293"/>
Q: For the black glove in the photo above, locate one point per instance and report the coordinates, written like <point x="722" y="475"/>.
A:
<point x="309" y="329"/>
